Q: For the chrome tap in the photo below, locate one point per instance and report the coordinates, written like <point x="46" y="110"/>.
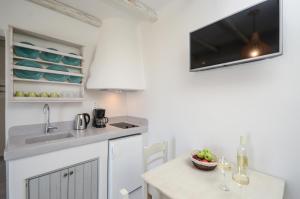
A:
<point x="48" y="126"/>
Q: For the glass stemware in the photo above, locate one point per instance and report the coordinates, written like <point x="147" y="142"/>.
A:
<point x="224" y="166"/>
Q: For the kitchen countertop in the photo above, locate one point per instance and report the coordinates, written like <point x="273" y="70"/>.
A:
<point x="17" y="148"/>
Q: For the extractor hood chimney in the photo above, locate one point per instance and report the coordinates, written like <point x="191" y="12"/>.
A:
<point x="117" y="64"/>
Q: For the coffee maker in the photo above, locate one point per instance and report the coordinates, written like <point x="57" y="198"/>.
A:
<point x="99" y="120"/>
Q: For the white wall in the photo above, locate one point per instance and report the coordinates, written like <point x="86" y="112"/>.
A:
<point x="27" y="15"/>
<point x="213" y="108"/>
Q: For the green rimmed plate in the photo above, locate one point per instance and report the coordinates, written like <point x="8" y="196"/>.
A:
<point x="28" y="74"/>
<point x="46" y="56"/>
<point x="75" y="79"/>
<point x="56" y="77"/>
<point x="71" y="60"/>
<point x="26" y="52"/>
<point x="28" y="63"/>
<point x="57" y="67"/>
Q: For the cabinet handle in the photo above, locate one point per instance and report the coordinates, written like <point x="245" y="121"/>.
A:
<point x="65" y="175"/>
<point x="71" y="173"/>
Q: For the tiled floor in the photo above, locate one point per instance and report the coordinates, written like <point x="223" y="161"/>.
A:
<point x="2" y="179"/>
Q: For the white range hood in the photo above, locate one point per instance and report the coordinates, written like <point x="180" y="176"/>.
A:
<point x="117" y="64"/>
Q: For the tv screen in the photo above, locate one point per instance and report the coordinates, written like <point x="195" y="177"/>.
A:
<point x="252" y="34"/>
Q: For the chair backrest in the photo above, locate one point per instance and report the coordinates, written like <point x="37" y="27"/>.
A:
<point x="124" y="194"/>
<point x="158" y="150"/>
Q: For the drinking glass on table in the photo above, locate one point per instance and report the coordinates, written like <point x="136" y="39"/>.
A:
<point x="225" y="168"/>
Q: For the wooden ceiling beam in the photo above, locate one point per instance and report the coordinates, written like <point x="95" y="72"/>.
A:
<point x="69" y="11"/>
<point x="139" y="7"/>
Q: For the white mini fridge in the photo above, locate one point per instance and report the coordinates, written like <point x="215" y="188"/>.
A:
<point x="125" y="165"/>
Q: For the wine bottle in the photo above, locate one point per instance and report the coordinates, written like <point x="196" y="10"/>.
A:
<point x="242" y="157"/>
<point x="241" y="176"/>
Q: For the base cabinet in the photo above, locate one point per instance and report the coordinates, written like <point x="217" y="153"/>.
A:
<point x="75" y="182"/>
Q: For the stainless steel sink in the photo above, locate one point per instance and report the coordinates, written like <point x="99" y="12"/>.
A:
<point x="47" y="138"/>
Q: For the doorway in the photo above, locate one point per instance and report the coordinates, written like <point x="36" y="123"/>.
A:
<point x="2" y="118"/>
<point x="2" y="95"/>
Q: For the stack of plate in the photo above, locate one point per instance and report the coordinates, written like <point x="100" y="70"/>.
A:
<point x="49" y="57"/>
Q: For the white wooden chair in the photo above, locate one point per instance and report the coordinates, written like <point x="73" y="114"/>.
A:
<point x="153" y="153"/>
<point x="160" y="152"/>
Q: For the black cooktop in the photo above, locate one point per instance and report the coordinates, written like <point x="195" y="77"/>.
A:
<point x="123" y="125"/>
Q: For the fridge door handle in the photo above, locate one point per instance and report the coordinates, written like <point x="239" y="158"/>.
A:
<point x="112" y="151"/>
<point x="115" y="153"/>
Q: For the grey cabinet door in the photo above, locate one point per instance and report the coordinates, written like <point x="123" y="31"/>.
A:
<point x="55" y="185"/>
<point x="71" y="191"/>
<point x="78" y="182"/>
<point x="33" y="189"/>
<point x="90" y="180"/>
<point x="87" y="181"/>
<point x="94" y="190"/>
<point x="44" y="187"/>
<point x="64" y="180"/>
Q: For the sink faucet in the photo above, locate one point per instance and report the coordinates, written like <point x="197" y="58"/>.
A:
<point x="48" y="127"/>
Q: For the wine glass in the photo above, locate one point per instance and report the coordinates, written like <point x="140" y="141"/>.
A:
<point x="224" y="166"/>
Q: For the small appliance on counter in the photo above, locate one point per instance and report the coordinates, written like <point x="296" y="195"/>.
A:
<point x="99" y="120"/>
<point x="123" y="125"/>
<point x="82" y="121"/>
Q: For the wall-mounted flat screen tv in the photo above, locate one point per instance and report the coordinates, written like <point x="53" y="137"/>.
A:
<point x="252" y="34"/>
